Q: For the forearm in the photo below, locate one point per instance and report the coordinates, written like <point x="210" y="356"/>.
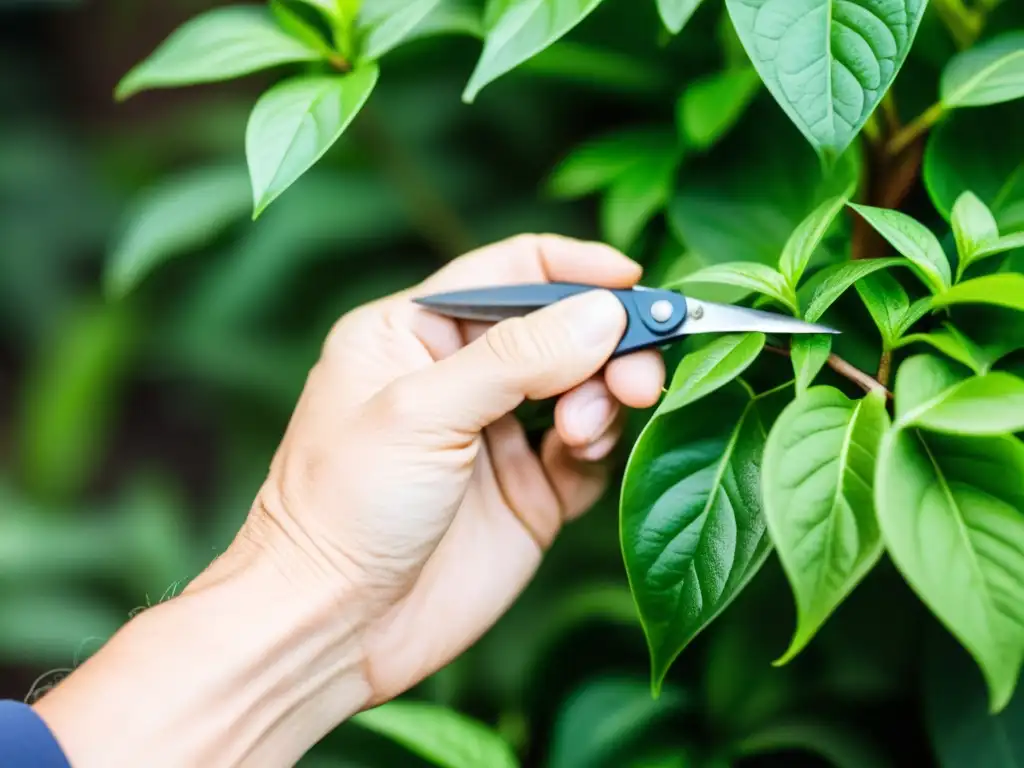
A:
<point x="244" y="668"/>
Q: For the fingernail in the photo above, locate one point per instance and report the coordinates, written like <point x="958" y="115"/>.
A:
<point x="596" y="317"/>
<point x="593" y="417"/>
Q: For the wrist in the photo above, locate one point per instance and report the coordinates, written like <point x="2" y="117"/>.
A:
<point x="247" y="666"/>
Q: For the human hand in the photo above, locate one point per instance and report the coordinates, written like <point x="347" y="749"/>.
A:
<point x="404" y="483"/>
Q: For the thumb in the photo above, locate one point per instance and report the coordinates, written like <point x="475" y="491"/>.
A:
<point x="541" y="355"/>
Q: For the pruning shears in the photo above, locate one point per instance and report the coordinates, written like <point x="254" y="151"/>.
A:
<point x="656" y="317"/>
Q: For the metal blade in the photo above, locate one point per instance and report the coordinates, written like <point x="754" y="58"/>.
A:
<point x="707" y="317"/>
<point x="499" y="303"/>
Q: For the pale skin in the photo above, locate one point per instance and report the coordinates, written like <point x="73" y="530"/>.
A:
<point x="402" y="514"/>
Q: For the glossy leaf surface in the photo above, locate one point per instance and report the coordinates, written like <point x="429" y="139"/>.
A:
<point x="988" y="73"/>
<point x="913" y="240"/>
<point x="819" y="469"/>
<point x="675" y="13"/>
<point x="809" y="353"/>
<point x="294" y="124"/>
<point x="749" y="275"/>
<point x="711" y="367"/>
<point x="386" y="24"/>
<point x="974" y="226"/>
<point x="837" y="279"/>
<point x="887" y="302"/>
<point x="1001" y="290"/>
<point x="827" y="62"/>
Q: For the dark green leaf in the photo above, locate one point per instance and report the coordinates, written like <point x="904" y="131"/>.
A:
<point x="179" y="214"/>
<point x="294" y="124"/>
<point x="806" y="238"/>
<point x="220" y="44"/>
<point x="838" y="278"/>
<point x="819" y="467"/>
<point x="913" y="240"/>
<point x="750" y="275"/>
<point x="809" y="353"/>
<point x="828" y="62"/>
<point x="989" y="73"/>
<point x="693" y="534"/>
<point x="963" y="732"/>
<point x="637" y="195"/>
<point x="981" y="150"/>
<point x="887" y="303"/>
<point x="516" y="31"/>
<point x="675" y="13"/>
<point x="961" y="497"/>
<point x="710" y="368"/>
<point x="1001" y="290"/>
<point x="441" y="735"/>
<point x="594" y="165"/>
<point x="711" y="105"/>
<point x="604" y="718"/>
<point x="839" y="745"/>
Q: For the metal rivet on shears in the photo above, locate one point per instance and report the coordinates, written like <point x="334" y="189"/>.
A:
<point x="698" y="313"/>
<point x="661" y="311"/>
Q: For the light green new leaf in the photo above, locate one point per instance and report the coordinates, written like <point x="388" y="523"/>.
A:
<point x="181" y="213"/>
<point x="952" y="343"/>
<point x="605" y="718"/>
<point x="808" y="236"/>
<point x="989" y="404"/>
<point x="438" y="734"/>
<point x="989" y="73"/>
<point x="636" y="196"/>
<point x="296" y="26"/>
<point x="974" y="226"/>
<point x="835" y="281"/>
<point x="675" y="13"/>
<point x="913" y="240"/>
<point x="294" y="124"/>
<point x="887" y="303"/>
<point x="520" y="29"/>
<point x="220" y="44"/>
<point x="922" y="378"/>
<point x="383" y="25"/>
<point x="746" y="274"/>
<point x="819" y="466"/>
<point x="595" y="164"/>
<point x="1000" y="245"/>
<point x="827" y="62"/>
<point x="809" y="353"/>
<point x="337" y="12"/>
<point x="692" y="529"/>
<point x="710" y="368"/>
<point x="1004" y="289"/>
<point x="713" y="104"/>
<point x="949" y="508"/>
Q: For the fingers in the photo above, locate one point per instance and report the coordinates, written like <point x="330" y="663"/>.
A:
<point x="636" y="380"/>
<point x="542" y="355"/>
<point x="578" y="482"/>
<point x="536" y="259"/>
<point x="585" y="414"/>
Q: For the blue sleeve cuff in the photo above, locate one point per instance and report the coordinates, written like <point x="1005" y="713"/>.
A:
<point x="25" y="740"/>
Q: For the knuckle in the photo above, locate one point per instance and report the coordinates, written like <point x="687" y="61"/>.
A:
<point x="516" y="341"/>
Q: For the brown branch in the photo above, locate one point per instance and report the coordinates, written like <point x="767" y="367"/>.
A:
<point x="884" y="368"/>
<point x="863" y="380"/>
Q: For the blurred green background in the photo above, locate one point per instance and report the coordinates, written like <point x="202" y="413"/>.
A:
<point x="134" y="433"/>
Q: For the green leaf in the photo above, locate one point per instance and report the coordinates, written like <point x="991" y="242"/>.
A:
<point x="294" y="124"/>
<point x="217" y="45"/>
<point x="974" y="226"/>
<point x="981" y="150"/>
<point x="692" y="530"/>
<point x="835" y="281"/>
<point x="887" y="303"/>
<point x="962" y="731"/>
<point x="438" y="734"/>
<point x="990" y="404"/>
<point x="675" y="13"/>
<point x="913" y="240"/>
<point x="745" y="274"/>
<point x="1000" y="245"/>
<point x="179" y="214"/>
<point x="605" y="718"/>
<point x="338" y="12"/>
<point x="819" y="466"/>
<point x="954" y="344"/>
<point x="595" y="164"/>
<point x="838" y="744"/>
<point x="386" y="24"/>
<point x="989" y="73"/>
<point x="809" y="353"/>
<point x="55" y="628"/>
<point x="828" y="62"/>
<point x="808" y="236"/>
<point x="922" y="378"/>
<point x="1001" y="290"/>
<point x="637" y="195"/>
<point x="450" y="17"/>
<point x="949" y="508"/>
<point x="711" y="105"/>
<point x="710" y="368"/>
<point x="520" y="30"/>
<point x="296" y="26"/>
